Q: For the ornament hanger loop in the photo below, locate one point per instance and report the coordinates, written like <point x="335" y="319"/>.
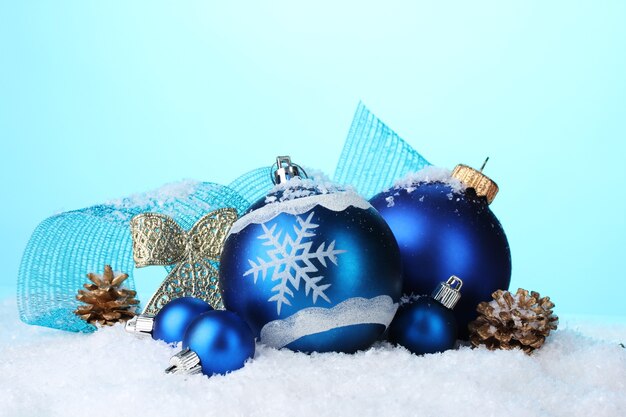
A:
<point x="285" y="170"/>
<point x="484" y="163"/>
<point x="454" y="281"/>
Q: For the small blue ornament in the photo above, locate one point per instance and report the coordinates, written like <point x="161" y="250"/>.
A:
<point x="216" y="342"/>
<point x="427" y="325"/>
<point x="171" y="321"/>
<point x="444" y="227"/>
<point x="312" y="267"/>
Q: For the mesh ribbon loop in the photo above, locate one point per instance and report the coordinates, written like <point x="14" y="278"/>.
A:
<point x="374" y="156"/>
<point x="65" y="247"/>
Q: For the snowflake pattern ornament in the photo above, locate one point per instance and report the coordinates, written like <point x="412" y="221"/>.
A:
<point x="312" y="267"/>
<point x="293" y="261"/>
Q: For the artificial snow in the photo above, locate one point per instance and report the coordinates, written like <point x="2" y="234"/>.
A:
<point x="303" y="187"/>
<point x="172" y="199"/>
<point x="428" y="175"/>
<point x="161" y="196"/>
<point x="46" y="372"/>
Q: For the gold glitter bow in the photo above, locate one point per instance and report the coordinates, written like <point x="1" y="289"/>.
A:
<point x="159" y="240"/>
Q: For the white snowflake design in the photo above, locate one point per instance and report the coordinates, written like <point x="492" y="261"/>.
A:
<point x="292" y="261"/>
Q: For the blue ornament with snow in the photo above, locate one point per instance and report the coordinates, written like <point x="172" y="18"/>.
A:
<point x="444" y="226"/>
<point x="312" y="267"/>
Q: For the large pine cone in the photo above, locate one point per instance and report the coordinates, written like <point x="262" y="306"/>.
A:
<point x="513" y="321"/>
<point x="106" y="302"/>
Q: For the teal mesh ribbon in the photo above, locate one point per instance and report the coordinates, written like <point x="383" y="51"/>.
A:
<point x="374" y="156"/>
<point x="65" y="247"/>
<point x="253" y="185"/>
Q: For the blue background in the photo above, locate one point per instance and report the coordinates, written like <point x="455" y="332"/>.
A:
<point x="101" y="100"/>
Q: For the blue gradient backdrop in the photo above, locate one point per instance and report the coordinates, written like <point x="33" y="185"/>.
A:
<point x="99" y="100"/>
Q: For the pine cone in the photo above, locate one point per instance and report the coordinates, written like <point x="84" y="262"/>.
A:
<point x="106" y="302"/>
<point x="513" y="321"/>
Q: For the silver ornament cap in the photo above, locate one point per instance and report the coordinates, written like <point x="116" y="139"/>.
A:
<point x="185" y="362"/>
<point x="140" y="325"/>
<point x="449" y="293"/>
<point x="286" y="170"/>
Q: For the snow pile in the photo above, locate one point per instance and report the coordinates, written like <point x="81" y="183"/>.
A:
<point x="160" y="197"/>
<point x="428" y="175"/>
<point x="185" y="201"/>
<point x="318" y="183"/>
<point x="51" y="373"/>
<point x="174" y="199"/>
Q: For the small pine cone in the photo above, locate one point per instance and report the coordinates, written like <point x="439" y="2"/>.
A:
<point x="519" y="320"/>
<point x="106" y="303"/>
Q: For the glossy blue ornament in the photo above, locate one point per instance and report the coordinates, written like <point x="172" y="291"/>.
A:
<point x="428" y="325"/>
<point x="221" y="340"/>
<point x="442" y="232"/>
<point x="424" y="326"/>
<point x="312" y="269"/>
<point x="172" y="320"/>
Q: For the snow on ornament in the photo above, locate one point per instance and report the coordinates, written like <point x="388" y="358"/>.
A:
<point x="312" y="266"/>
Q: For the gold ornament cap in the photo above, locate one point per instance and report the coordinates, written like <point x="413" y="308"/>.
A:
<point x="472" y="178"/>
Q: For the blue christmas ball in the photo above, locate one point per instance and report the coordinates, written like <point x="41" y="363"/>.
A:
<point x="172" y="320"/>
<point x="424" y="326"/>
<point x="442" y="231"/>
<point x="222" y="341"/>
<point x="312" y="271"/>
